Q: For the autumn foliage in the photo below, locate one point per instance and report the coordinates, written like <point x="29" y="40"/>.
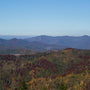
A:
<point x="68" y="69"/>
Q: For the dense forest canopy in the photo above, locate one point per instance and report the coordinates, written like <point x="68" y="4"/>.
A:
<point x="61" y="70"/>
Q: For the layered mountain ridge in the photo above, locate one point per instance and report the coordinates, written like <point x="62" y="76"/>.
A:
<point x="46" y="43"/>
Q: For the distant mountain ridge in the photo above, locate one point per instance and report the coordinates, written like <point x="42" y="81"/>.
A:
<point x="79" y="42"/>
<point x="8" y="37"/>
<point x="46" y="43"/>
<point x="35" y="46"/>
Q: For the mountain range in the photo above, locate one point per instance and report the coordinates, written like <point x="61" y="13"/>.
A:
<point x="46" y="43"/>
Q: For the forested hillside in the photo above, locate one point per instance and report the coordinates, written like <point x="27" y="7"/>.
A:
<point x="67" y="69"/>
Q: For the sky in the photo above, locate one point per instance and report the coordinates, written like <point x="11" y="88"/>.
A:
<point x="45" y="17"/>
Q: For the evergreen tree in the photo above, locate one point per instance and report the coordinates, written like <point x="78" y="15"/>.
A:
<point x="63" y="86"/>
<point x="23" y="87"/>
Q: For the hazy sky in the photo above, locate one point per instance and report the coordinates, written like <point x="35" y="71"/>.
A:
<point x="44" y="17"/>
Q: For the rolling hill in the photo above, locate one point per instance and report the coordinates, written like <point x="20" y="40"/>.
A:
<point x="68" y="69"/>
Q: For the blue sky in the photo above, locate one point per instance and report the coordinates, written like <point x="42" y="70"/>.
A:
<point x="45" y="17"/>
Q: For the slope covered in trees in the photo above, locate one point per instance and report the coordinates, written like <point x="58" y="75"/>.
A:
<point x="68" y="69"/>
